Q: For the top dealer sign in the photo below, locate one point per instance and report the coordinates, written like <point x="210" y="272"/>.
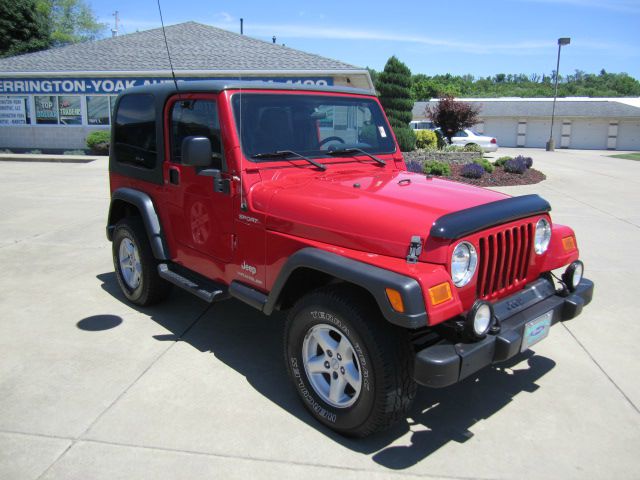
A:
<point x="92" y="86"/>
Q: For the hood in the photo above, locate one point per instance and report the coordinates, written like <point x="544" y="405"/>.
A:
<point x="376" y="211"/>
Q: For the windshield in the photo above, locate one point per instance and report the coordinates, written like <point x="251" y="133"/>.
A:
<point x="310" y="125"/>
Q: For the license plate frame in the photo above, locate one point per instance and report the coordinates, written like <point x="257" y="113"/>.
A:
<point x="536" y="330"/>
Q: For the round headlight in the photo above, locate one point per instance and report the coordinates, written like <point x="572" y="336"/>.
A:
<point x="543" y="236"/>
<point x="573" y="275"/>
<point x="479" y="320"/>
<point x="463" y="263"/>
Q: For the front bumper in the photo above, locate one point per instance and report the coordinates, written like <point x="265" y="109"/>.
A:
<point x="446" y="363"/>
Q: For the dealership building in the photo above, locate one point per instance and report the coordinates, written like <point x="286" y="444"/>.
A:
<point x="52" y="99"/>
<point x="581" y="123"/>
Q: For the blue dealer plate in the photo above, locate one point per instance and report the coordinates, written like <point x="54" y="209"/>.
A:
<point x="536" y="330"/>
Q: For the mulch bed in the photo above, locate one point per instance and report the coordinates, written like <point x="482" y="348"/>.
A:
<point x="499" y="178"/>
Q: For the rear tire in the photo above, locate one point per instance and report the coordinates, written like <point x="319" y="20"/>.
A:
<point x="366" y="389"/>
<point x="135" y="266"/>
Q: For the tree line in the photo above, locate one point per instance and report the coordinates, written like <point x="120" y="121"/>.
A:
<point x="578" y="84"/>
<point x="31" y="25"/>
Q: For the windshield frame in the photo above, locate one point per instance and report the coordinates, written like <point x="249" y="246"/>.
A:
<point x="376" y="110"/>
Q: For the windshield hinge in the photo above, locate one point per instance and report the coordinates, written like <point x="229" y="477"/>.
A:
<point x="415" y="249"/>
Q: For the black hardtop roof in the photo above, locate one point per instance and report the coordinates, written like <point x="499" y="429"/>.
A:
<point x="168" y="88"/>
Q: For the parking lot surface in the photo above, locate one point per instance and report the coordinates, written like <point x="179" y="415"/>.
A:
<point x="93" y="388"/>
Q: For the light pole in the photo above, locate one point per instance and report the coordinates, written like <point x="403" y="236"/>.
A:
<point x="551" y="144"/>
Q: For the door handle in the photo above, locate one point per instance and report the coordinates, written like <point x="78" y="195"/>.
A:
<point x="174" y="176"/>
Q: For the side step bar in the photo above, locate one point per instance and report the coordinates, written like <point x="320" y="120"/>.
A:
<point x="205" y="289"/>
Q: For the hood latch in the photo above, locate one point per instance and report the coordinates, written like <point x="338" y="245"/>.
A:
<point x="415" y="249"/>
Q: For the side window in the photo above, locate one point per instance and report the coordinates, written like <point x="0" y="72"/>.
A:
<point x="197" y="118"/>
<point x="135" y="131"/>
<point x="461" y="133"/>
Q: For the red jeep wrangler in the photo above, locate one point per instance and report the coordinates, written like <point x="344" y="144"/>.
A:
<point x="298" y="199"/>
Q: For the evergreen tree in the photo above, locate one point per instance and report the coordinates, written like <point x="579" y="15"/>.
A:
<point x="24" y="27"/>
<point x="394" y="89"/>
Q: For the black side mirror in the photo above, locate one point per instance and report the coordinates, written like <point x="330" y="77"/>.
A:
<point x="196" y="151"/>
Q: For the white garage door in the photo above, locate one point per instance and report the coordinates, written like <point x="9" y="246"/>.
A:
<point x="504" y="129"/>
<point x="589" y="134"/>
<point x="628" y="135"/>
<point x="538" y="131"/>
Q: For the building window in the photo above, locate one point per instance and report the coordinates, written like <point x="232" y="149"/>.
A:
<point x="14" y="111"/>
<point x="98" y="110"/>
<point x="46" y="110"/>
<point x="70" y="111"/>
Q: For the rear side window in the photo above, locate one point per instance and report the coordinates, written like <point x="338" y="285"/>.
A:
<point x="135" y="131"/>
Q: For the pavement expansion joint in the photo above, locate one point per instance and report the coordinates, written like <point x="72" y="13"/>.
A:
<point x="80" y="437"/>
<point x="613" y="382"/>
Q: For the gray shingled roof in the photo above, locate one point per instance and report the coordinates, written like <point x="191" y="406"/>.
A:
<point x="193" y="46"/>
<point x="603" y="108"/>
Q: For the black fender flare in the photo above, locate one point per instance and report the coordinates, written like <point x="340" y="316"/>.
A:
<point x="373" y="279"/>
<point x="150" y="219"/>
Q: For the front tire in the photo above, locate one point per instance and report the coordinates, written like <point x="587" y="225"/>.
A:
<point x="135" y="266"/>
<point x="350" y="367"/>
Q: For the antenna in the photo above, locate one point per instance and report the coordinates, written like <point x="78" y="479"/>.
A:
<point x="114" y="31"/>
<point x="173" y="75"/>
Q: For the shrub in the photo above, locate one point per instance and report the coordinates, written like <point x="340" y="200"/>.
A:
<point x="74" y="152"/>
<point x="472" y="170"/>
<point x="452" y="148"/>
<point x="5" y="150"/>
<point x="414" y="166"/>
<point x="406" y="138"/>
<point x="434" y="167"/>
<point x="528" y="161"/>
<point x="35" y="151"/>
<point x="501" y="161"/>
<point x="473" y="147"/>
<point x="426" y="139"/>
<point x="99" y="140"/>
<point x="515" y="165"/>
<point x="485" y="164"/>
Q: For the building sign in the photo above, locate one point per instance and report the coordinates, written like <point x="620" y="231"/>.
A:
<point x="22" y="86"/>
<point x="13" y="111"/>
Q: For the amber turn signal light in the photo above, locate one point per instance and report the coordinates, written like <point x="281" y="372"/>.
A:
<point x="395" y="299"/>
<point x="569" y="243"/>
<point x="440" y="293"/>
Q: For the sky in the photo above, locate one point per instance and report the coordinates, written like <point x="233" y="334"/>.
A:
<point x="477" y="38"/>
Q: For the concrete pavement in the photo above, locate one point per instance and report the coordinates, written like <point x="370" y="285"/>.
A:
<point x="91" y="387"/>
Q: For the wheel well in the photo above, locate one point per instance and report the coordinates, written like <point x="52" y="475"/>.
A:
<point x="304" y="280"/>
<point x="121" y="209"/>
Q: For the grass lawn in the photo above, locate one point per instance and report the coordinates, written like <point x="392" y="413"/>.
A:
<point x="628" y="156"/>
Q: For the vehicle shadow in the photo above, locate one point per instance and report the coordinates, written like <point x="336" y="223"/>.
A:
<point x="234" y="332"/>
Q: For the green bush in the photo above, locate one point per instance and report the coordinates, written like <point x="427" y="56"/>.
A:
<point x="501" y="161"/>
<point x="473" y="147"/>
<point x="406" y="138"/>
<point x="452" y="148"/>
<point x="426" y="139"/>
<point x="484" y="163"/>
<point x="5" y="150"/>
<point x="434" y="167"/>
<point x="99" y="140"/>
<point x="35" y="151"/>
<point x="74" y="152"/>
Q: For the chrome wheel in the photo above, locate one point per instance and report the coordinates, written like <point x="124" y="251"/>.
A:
<point x="331" y="365"/>
<point x="130" y="265"/>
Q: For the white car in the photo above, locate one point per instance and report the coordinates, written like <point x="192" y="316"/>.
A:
<point x="469" y="137"/>
<point x="421" y="125"/>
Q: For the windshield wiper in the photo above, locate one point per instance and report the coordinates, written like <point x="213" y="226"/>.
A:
<point x="344" y="151"/>
<point x="288" y="153"/>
